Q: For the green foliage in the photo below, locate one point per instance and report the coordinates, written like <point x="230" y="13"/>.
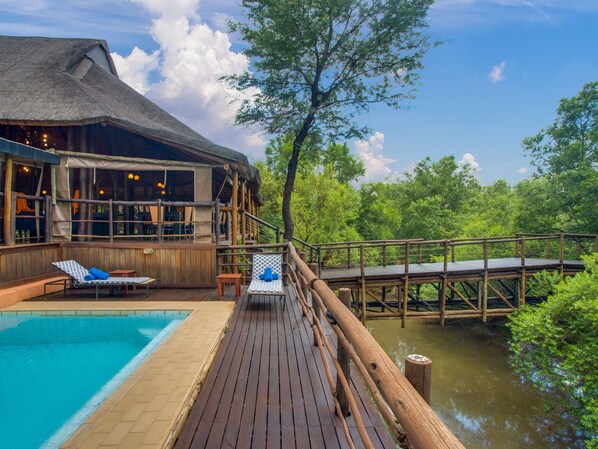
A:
<point x="566" y="157"/>
<point x="555" y="345"/>
<point x="435" y="198"/>
<point x="325" y="207"/>
<point x="543" y="283"/>
<point x="319" y="62"/>
<point x="379" y="215"/>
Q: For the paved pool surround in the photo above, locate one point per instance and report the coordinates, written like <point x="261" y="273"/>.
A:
<point x="148" y="409"/>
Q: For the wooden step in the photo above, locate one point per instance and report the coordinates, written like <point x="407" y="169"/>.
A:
<point x="14" y="292"/>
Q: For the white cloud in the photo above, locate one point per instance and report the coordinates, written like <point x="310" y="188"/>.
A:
<point x="468" y="160"/>
<point x="522" y="170"/>
<point x="135" y="69"/>
<point x="370" y="152"/>
<point x="498" y="72"/>
<point x="187" y="68"/>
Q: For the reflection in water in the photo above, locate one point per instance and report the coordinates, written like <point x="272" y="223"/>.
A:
<point x="474" y="390"/>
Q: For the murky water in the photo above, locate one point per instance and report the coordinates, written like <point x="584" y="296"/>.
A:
<point x="474" y="390"/>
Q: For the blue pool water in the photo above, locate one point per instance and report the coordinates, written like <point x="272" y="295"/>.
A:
<point x="55" y="371"/>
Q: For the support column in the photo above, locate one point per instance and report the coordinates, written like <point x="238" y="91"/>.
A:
<point x="234" y="217"/>
<point x="9" y="233"/>
<point x="243" y="217"/>
<point x="443" y="300"/>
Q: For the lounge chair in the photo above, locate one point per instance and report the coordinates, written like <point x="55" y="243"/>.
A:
<point x="259" y="287"/>
<point x="77" y="273"/>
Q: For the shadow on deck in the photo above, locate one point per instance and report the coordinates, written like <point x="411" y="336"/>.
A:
<point x="267" y="388"/>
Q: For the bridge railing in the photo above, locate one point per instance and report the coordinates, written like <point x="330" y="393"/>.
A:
<point x="395" y="397"/>
<point x="363" y="254"/>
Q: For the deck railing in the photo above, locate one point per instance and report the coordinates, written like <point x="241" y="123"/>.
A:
<point x="363" y="254"/>
<point x="404" y="410"/>
<point x="108" y="220"/>
<point x="395" y="397"/>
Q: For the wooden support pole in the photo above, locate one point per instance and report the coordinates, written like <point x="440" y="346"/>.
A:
<point x="522" y="284"/>
<point x="243" y="217"/>
<point x="317" y="312"/>
<point x="442" y="301"/>
<point x="49" y="226"/>
<point x="485" y="286"/>
<point x="405" y="287"/>
<point x="9" y="233"/>
<point x="217" y="221"/>
<point x="344" y="360"/>
<point x="418" y="371"/>
<point x="304" y="288"/>
<point x="13" y="215"/>
<point x="234" y="218"/>
<point x="111" y="221"/>
<point x="562" y="254"/>
<point x="363" y="302"/>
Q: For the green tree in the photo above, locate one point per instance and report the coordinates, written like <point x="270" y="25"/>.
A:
<point x="316" y="64"/>
<point x="435" y="198"/>
<point x="555" y="345"/>
<point x="566" y="154"/>
<point x="379" y="215"/>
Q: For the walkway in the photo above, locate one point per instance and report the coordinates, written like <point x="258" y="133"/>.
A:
<point x="267" y="388"/>
<point x="500" y="267"/>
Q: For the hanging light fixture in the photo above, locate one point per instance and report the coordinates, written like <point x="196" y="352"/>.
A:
<point x="136" y="177"/>
<point x="130" y="176"/>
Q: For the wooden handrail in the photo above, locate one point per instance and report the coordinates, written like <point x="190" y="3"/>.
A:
<point x="424" y="429"/>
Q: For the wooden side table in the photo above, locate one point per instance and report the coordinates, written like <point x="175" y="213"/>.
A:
<point x="123" y="274"/>
<point x="229" y="279"/>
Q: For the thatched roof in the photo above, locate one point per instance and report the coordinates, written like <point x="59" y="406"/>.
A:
<point x="73" y="82"/>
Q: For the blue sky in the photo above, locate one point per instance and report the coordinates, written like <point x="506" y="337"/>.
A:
<point x="496" y="78"/>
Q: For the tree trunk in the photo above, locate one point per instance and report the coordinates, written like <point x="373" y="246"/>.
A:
<point x="291" y="175"/>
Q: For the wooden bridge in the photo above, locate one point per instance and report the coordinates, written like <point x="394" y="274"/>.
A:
<point x="465" y="278"/>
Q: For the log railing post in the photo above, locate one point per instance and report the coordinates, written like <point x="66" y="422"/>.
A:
<point x="485" y="286"/>
<point x="562" y="253"/>
<point x="344" y="360"/>
<point x="522" y="283"/>
<point x="159" y="232"/>
<point x="384" y="255"/>
<point x="49" y="211"/>
<point x="111" y="221"/>
<point x="405" y="287"/>
<point x="418" y="371"/>
<point x="363" y="292"/>
<point x="9" y="233"/>
<point x="317" y="313"/>
<point x="13" y="218"/>
<point x="217" y="221"/>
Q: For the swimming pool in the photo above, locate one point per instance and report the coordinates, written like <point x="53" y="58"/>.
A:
<point x="56" y="370"/>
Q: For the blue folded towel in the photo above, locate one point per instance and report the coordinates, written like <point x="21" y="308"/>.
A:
<point x="89" y="277"/>
<point x="268" y="276"/>
<point x="98" y="274"/>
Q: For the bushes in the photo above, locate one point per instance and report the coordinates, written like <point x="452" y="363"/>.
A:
<point x="555" y="346"/>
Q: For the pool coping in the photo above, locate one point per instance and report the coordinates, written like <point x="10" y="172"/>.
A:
<point x="150" y="407"/>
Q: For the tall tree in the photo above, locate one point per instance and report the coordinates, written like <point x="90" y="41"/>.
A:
<point x="317" y="63"/>
<point x="566" y="155"/>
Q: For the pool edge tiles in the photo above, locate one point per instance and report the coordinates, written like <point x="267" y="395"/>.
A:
<point x="147" y="409"/>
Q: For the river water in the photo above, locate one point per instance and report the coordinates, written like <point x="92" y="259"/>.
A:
<point x="474" y="390"/>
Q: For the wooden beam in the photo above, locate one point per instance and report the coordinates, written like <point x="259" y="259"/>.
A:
<point x="234" y="218"/>
<point x="9" y="233"/>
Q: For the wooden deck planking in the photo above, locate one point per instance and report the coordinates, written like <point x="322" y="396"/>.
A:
<point x="267" y="388"/>
<point x="428" y="269"/>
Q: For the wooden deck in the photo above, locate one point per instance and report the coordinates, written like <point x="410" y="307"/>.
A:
<point x="499" y="267"/>
<point x="267" y="388"/>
